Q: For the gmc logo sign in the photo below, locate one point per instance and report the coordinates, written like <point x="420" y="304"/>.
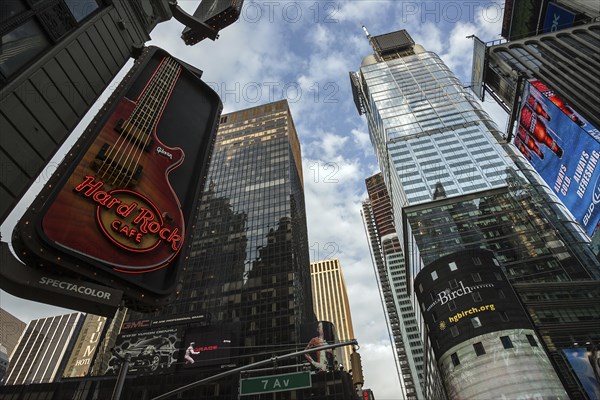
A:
<point x="136" y="324"/>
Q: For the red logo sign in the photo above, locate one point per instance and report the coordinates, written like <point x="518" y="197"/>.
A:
<point x="130" y="220"/>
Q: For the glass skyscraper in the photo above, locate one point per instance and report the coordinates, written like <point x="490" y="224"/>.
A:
<point x="455" y="186"/>
<point x="249" y="270"/>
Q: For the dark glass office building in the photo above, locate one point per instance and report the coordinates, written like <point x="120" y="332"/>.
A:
<point x="248" y="277"/>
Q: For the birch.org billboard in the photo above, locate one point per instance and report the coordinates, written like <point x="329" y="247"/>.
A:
<point x="564" y="148"/>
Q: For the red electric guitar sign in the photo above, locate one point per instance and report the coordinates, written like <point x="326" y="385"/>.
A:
<point x="116" y="210"/>
<point x="119" y="196"/>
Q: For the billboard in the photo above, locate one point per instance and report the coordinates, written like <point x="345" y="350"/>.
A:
<point x="117" y="209"/>
<point x="521" y="18"/>
<point x="557" y="18"/>
<point x="319" y="334"/>
<point x="477" y="70"/>
<point x="209" y="345"/>
<point x="150" y="351"/>
<point x="84" y="350"/>
<point x="464" y="295"/>
<point x="564" y="149"/>
<point x="586" y="365"/>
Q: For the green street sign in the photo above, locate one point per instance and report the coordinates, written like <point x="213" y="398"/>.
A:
<point x="275" y="383"/>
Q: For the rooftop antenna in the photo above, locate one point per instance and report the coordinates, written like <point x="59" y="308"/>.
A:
<point x="372" y="43"/>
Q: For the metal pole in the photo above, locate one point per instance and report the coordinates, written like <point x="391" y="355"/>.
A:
<point x="121" y="378"/>
<point x="253" y="365"/>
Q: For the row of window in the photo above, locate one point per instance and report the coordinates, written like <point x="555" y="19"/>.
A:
<point x="480" y="349"/>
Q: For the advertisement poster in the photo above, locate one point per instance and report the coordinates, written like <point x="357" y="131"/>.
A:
<point x="557" y="18"/>
<point x="319" y="334"/>
<point x="586" y="369"/>
<point x="152" y="351"/>
<point x="205" y="346"/>
<point x="564" y="149"/>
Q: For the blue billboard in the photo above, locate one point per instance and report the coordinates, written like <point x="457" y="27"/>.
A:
<point x="583" y="363"/>
<point x="564" y="148"/>
<point x="557" y="18"/>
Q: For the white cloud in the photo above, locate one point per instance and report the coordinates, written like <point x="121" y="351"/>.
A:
<point x="271" y="52"/>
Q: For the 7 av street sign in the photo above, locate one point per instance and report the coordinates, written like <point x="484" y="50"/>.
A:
<point x="275" y="383"/>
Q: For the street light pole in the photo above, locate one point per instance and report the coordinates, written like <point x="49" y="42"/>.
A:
<point x="122" y="375"/>
<point x="273" y="359"/>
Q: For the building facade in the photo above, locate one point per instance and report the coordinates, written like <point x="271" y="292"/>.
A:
<point x="40" y="355"/>
<point x="57" y="57"/>
<point x="438" y="149"/>
<point x="330" y="300"/>
<point x="573" y="78"/>
<point x="389" y="261"/>
<point x="11" y="329"/>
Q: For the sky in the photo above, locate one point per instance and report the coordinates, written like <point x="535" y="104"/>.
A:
<point x="303" y="51"/>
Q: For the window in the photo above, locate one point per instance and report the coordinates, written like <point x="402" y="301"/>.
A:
<point x="81" y="8"/>
<point x="498" y="275"/>
<point x="453" y="284"/>
<point x="506" y="342"/>
<point x="476" y="277"/>
<point x="479" y="350"/>
<point x="476" y="260"/>
<point x="476" y="322"/>
<point x="476" y="296"/>
<point x="29" y="31"/>
<point x="504" y="316"/>
<point x="455" y="360"/>
<point x="453" y="266"/>
<point x="454" y="331"/>
<point x="532" y="340"/>
<point x="434" y="275"/>
<point x="434" y="316"/>
<point x="501" y="294"/>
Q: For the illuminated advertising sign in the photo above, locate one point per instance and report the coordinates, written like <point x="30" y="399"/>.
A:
<point x="83" y="352"/>
<point x="204" y="346"/>
<point x="464" y="295"/>
<point x="116" y="212"/>
<point x="586" y="365"/>
<point x="557" y="18"/>
<point x="564" y="149"/>
<point x="150" y="351"/>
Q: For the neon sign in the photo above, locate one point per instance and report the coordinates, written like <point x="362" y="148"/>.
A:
<point x="130" y="220"/>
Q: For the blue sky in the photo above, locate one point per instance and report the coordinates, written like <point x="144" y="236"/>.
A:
<point x="303" y="51"/>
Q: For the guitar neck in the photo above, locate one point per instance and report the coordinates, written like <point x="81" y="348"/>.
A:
<point x="154" y="97"/>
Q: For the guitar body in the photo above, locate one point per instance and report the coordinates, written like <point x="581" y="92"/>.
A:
<point x="121" y="205"/>
<point x="118" y="202"/>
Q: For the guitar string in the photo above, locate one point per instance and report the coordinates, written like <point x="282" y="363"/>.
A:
<point x="115" y="148"/>
<point x="169" y="84"/>
<point x="128" y="124"/>
<point x="138" y="129"/>
<point x="141" y="128"/>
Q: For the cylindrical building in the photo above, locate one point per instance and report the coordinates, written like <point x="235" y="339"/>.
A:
<point x="481" y="335"/>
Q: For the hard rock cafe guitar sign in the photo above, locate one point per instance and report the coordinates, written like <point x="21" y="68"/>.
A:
<point x="120" y="212"/>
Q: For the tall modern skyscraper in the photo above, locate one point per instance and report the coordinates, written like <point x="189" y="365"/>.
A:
<point x="246" y="292"/>
<point x="454" y="186"/>
<point x="389" y="261"/>
<point x="330" y="300"/>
